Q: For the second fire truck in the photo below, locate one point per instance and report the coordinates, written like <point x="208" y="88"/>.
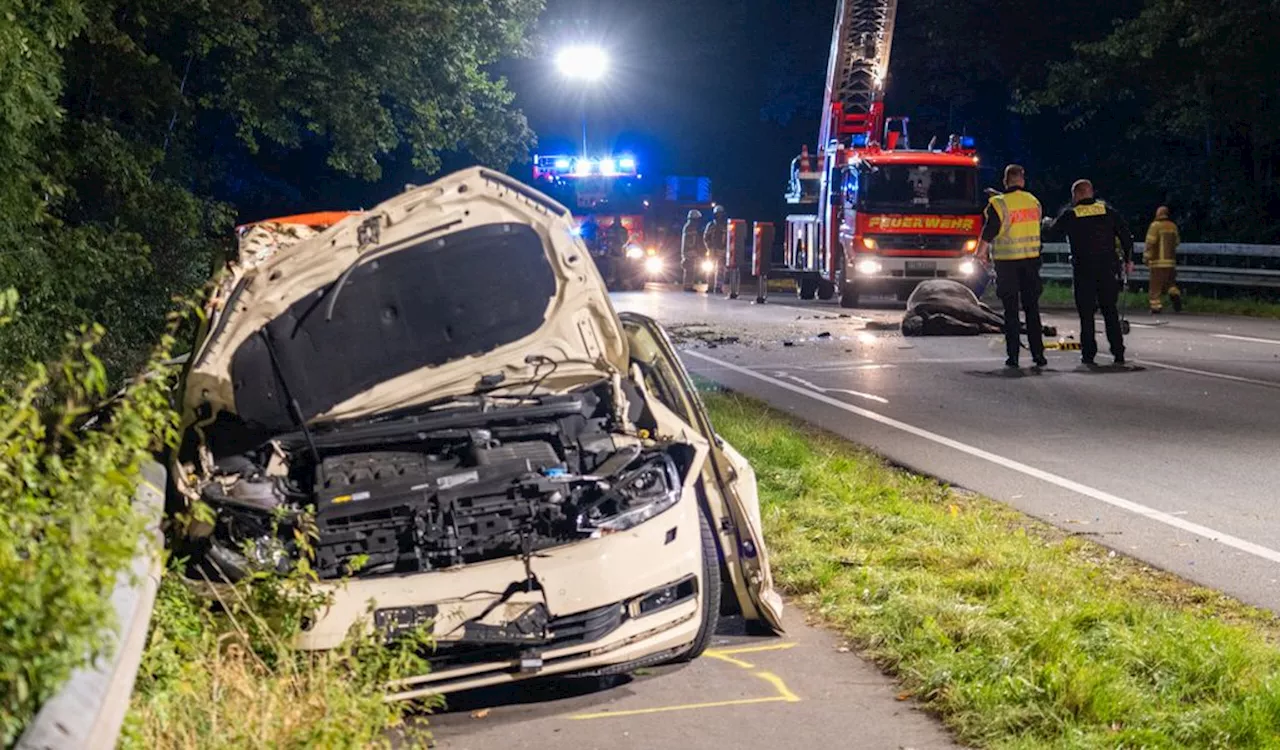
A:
<point x="885" y="216"/>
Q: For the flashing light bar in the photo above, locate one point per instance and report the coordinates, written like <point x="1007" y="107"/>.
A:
<point x="860" y="140"/>
<point x="968" y="141"/>
<point x="561" y="166"/>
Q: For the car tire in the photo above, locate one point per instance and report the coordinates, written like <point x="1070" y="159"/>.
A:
<point x="848" y="295"/>
<point x="826" y="290"/>
<point x="710" y="593"/>
<point x="807" y="288"/>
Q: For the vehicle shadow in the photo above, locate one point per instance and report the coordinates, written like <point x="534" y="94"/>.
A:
<point x="551" y="695"/>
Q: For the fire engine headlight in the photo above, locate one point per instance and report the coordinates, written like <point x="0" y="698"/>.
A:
<point x="708" y="265"/>
<point x="970" y="246"/>
<point x="869" y="244"/>
<point x="635" y="251"/>
<point x="868" y="267"/>
<point x="653" y="265"/>
<point x="967" y="268"/>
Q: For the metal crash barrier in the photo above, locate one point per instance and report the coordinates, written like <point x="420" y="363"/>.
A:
<point x="89" y="710"/>
<point x="1207" y="265"/>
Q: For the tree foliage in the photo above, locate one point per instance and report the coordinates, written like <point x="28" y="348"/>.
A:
<point x="132" y="132"/>
<point x="1196" y="85"/>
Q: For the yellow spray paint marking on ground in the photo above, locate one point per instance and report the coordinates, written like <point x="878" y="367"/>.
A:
<point x="784" y="694"/>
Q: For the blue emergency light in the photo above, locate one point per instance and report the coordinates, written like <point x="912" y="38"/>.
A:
<point x="564" y="166"/>
<point x="968" y="141"/>
<point x="859" y="140"/>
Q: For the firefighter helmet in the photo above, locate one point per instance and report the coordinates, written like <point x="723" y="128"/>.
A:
<point x="694" y="214"/>
<point x="719" y="211"/>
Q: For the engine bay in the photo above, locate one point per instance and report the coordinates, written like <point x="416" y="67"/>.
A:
<point x="466" y="482"/>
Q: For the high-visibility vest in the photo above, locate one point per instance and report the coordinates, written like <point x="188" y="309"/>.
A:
<point x="1019" y="236"/>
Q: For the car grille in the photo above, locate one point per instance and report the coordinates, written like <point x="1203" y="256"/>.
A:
<point x="570" y="630"/>
<point x="954" y="242"/>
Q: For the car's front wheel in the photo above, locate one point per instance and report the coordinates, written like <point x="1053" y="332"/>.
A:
<point x="710" y="593"/>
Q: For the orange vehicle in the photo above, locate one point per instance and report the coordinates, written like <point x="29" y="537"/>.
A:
<point x="886" y="216"/>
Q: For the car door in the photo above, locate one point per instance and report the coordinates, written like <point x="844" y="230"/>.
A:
<point x="729" y="482"/>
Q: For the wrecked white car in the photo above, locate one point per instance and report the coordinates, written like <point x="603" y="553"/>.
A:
<point x="484" y="444"/>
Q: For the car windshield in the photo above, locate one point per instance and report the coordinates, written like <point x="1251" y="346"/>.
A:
<point x="914" y="188"/>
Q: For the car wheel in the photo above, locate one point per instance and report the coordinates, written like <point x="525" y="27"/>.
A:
<point x="807" y="288"/>
<point x="848" y="295"/>
<point x="826" y="290"/>
<point x="711" y="584"/>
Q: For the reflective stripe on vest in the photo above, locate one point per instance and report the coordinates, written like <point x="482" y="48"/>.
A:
<point x="1019" y="236"/>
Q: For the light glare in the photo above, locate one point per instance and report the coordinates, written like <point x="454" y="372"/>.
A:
<point x="584" y="62"/>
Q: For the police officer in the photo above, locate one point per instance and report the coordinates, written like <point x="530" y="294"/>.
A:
<point x="1161" y="257"/>
<point x="691" y="250"/>
<point x="1093" y="229"/>
<point x="1011" y="234"/>
<point x="715" y="236"/>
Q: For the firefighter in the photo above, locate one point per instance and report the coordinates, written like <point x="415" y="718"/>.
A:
<point x="1160" y="255"/>
<point x="589" y="231"/>
<point x="1011" y="235"/>
<point x="616" y="237"/>
<point x="1093" y="228"/>
<point x="691" y="250"/>
<point x="715" y="236"/>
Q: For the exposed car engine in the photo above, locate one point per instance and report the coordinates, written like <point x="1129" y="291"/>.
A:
<point x="466" y="482"/>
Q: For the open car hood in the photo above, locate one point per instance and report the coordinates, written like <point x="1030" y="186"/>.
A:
<point x="473" y="276"/>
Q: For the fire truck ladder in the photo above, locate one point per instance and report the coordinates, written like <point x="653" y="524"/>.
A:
<point x="853" y="102"/>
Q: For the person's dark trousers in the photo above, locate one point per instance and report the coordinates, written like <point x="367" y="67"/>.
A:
<point x="1098" y="288"/>
<point x="1018" y="286"/>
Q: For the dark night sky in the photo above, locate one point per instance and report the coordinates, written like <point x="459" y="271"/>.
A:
<point x="729" y="89"/>
<point x="724" y="89"/>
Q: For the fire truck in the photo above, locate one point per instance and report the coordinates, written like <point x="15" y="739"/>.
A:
<point x="601" y="191"/>
<point x="882" y="216"/>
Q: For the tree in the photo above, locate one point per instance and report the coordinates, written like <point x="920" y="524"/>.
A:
<point x="1190" y="89"/>
<point x="143" y="124"/>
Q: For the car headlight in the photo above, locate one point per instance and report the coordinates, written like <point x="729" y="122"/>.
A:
<point x="967" y="268"/>
<point x="635" y="251"/>
<point x="708" y="265"/>
<point x="653" y="265"/>
<point x="635" y="497"/>
<point x="868" y="267"/>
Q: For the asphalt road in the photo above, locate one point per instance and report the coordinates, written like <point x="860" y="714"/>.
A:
<point x="804" y="689"/>
<point x="1175" y="462"/>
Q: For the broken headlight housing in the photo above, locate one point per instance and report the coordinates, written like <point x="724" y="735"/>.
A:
<point x="634" y="497"/>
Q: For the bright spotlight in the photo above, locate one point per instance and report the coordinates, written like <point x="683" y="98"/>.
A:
<point x="583" y="62"/>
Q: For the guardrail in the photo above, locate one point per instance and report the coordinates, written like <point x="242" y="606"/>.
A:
<point x="1207" y="265"/>
<point x="89" y="710"/>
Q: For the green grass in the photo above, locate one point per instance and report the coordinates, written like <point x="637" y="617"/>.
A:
<point x="1059" y="295"/>
<point x="1016" y="634"/>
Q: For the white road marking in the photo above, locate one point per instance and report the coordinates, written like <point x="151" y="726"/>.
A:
<point x="820" y="389"/>
<point x="1274" y="342"/>
<point x="1208" y="374"/>
<point x="1139" y="509"/>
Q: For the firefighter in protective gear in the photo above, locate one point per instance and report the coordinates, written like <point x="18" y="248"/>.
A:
<point x="1160" y="254"/>
<point x="715" y="236"/>
<point x="1011" y="235"/>
<point x="1093" y="229"/>
<point x="691" y="250"/>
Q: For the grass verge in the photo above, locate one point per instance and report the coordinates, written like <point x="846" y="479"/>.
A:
<point x="1060" y="295"/>
<point x="1015" y="633"/>
<point x="228" y="676"/>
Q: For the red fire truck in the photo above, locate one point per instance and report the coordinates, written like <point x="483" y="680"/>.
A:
<point x="885" y="216"/>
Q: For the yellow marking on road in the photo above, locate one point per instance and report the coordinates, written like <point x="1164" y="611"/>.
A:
<point x="783" y="691"/>
<point x="751" y="649"/>
<point x="684" y="707"/>
<point x="725" y="657"/>
<point x="785" y="695"/>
